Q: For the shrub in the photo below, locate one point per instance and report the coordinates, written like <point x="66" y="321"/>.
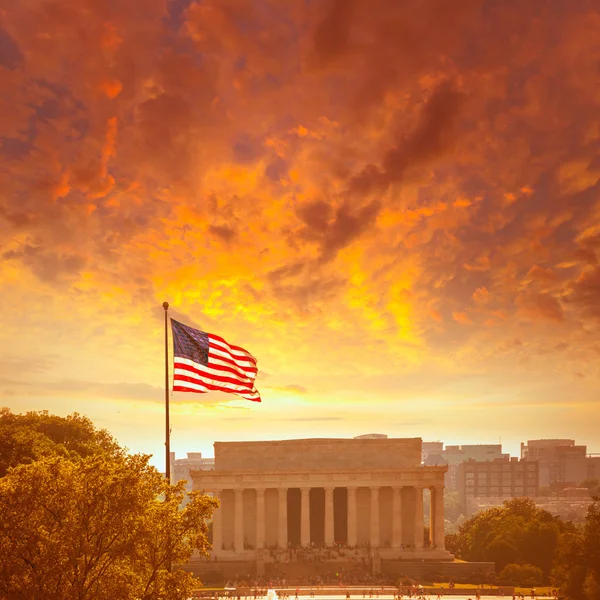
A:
<point x="521" y="575"/>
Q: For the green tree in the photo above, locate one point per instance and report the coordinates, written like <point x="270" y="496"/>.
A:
<point x="577" y="561"/>
<point x="453" y="509"/>
<point x="570" y="567"/>
<point x="591" y="549"/>
<point x="516" y="533"/>
<point x="521" y="575"/>
<point x="97" y="527"/>
<point x="83" y="519"/>
<point x="27" y="437"/>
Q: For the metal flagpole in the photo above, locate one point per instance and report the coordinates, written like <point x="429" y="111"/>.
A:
<point x="167" y="423"/>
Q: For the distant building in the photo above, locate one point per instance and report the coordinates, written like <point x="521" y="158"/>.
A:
<point x="561" y="461"/>
<point x="371" y="436"/>
<point x="433" y="449"/>
<point x="578" y="469"/>
<point x="180" y="467"/>
<point x="499" y="480"/>
<point x="455" y="455"/>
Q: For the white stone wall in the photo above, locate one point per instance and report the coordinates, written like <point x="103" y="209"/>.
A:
<point x="318" y="454"/>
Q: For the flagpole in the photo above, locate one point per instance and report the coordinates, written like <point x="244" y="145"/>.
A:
<point x="167" y="423"/>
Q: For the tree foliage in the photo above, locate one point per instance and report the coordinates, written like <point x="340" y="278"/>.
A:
<point x="27" y="437"/>
<point x="520" y="575"/>
<point x="82" y="519"/>
<point x="577" y="563"/>
<point x="516" y="533"/>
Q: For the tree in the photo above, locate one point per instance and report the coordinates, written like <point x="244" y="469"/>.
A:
<point x="570" y="568"/>
<point x="516" y="533"/>
<point x="577" y="561"/>
<point x="27" y="437"/>
<point x="521" y="575"/>
<point x="86" y="520"/>
<point x="453" y="509"/>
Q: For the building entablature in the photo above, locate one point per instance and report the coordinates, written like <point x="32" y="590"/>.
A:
<point x="423" y="477"/>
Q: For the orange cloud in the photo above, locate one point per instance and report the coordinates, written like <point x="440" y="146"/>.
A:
<point x="318" y="181"/>
<point x="540" y="306"/>
<point x="462" y="318"/>
<point x="112" y="88"/>
<point x="481" y="295"/>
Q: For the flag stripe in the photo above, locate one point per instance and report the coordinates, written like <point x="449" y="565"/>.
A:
<point x="188" y="375"/>
<point x="211" y="369"/>
<point x="217" y="365"/>
<point x="207" y="387"/>
<point x="221" y="343"/>
<point x="217" y="385"/>
<point x="235" y="350"/>
<point x="220" y="385"/>
<point x="213" y="352"/>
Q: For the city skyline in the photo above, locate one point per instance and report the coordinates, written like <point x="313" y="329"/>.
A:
<point x="510" y="453"/>
<point x="402" y="229"/>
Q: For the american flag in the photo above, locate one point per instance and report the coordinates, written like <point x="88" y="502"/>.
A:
<point x="204" y="362"/>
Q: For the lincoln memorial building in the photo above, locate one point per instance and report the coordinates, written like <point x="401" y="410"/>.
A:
<point x="355" y="492"/>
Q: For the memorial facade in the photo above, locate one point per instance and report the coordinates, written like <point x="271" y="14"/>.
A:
<point x="290" y="493"/>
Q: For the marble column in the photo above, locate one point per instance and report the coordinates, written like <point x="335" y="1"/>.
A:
<point x="432" y="523"/>
<point x="305" y="517"/>
<point x="351" y="516"/>
<point x="282" y="538"/>
<point x="217" y="524"/>
<point x="375" y="517"/>
<point x="329" y="530"/>
<point x="419" y="518"/>
<point x="238" y="521"/>
<point x="396" y="517"/>
<point x="439" y="533"/>
<point x="260" y="518"/>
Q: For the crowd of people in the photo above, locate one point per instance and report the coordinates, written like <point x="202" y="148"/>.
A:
<point x="316" y="553"/>
<point x="285" y="592"/>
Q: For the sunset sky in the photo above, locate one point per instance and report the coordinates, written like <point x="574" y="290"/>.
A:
<point x="394" y="205"/>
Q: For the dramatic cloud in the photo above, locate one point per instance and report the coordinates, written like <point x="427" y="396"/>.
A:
<point x="394" y="205"/>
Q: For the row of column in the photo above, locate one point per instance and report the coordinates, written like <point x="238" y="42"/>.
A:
<point x="436" y="518"/>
